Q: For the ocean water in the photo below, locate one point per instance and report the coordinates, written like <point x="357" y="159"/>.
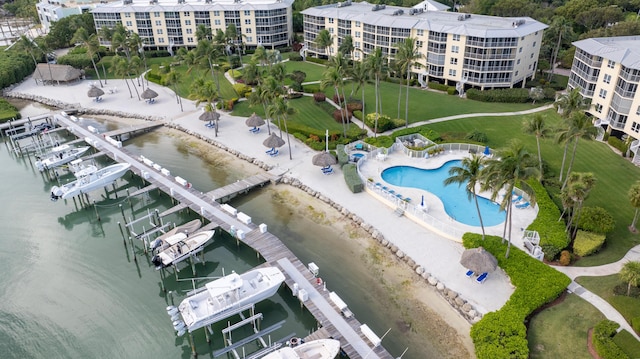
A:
<point x="73" y="286"/>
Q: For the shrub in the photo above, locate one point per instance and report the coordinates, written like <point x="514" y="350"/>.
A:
<point x="295" y="57"/>
<point x="343" y="157"/>
<point x="502" y="334"/>
<point x="596" y="219"/>
<point x="229" y="105"/>
<point x="384" y="122"/>
<point x="357" y="114"/>
<point x="79" y="61"/>
<point x="549" y="93"/>
<point x="477" y="136"/>
<point x="337" y="98"/>
<point x="553" y="237"/>
<point x="339" y="113"/>
<point x="316" y="60"/>
<point x="380" y="141"/>
<point x="515" y="95"/>
<point x="242" y="90"/>
<point x="438" y="86"/>
<point x="602" y="337"/>
<point x="617" y="143"/>
<point x="587" y="243"/>
<point x="313" y="88"/>
<point x="452" y="90"/>
<point x="8" y="111"/>
<point x="565" y="258"/>
<point x="351" y="177"/>
<point x="352" y="106"/>
<point x="319" y="96"/>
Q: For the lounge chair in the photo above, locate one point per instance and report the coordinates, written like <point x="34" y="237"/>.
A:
<point x="255" y="129"/>
<point x="358" y="146"/>
<point x="469" y="273"/>
<point x="515" y="199"/>
<point x="328" y="172"/>
<point x="482" y="277"/>
<point x="522" y="205"/>
<point x="274" y="153"/>
<point x="272" y="150"/>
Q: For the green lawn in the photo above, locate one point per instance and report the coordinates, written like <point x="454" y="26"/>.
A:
<point x="628" y="343"/>
<point x="615" y="174"/>
<point x="314" y="71"/>
<point x="603" y="286"/>
<point x="561" y="331"/>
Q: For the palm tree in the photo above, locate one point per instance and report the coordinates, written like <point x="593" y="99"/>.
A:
<point x="377" y="64"/>
<point x="574" y="194"/>
<point x="630" y="273"/>
<point x="634" y="198"/>
<point x="568" y="103"/>
<point x="172" y="78"/>
<point x="512" y="165"/>
<point x="581" y="127"/>
<point x="260" y="56"/>
<point x="332" y="77"/>
<point x="124" y="67"/>
<point x="204" y="91"/>
<point x="29" y="46"/>
<point x="91" y="43"/>
<point x="137" y="45"/>
<point x="563" y="28"/>
<point x="280" y="109"/>
<point x="469" y="172"/>
<point x="406" y="56"/>
<point x="346" y="47"/>
<point x="210" y="51"/>
<point x="537" y="126"/>
<point x="203" y="33"/>
<point x="120" y="39"/>
<point x="360" y="75"/>
<point x="324" y="40"/>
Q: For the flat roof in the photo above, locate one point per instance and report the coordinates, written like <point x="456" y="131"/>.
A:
<point x="440" y="21"/>
<point x="622" y="49"/>
<point x="190" y="5"/>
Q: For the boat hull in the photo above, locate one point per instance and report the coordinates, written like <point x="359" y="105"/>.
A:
<point x="184" y="247"/>
<point x="61" y="157"/>
<point x="189" y="227"/>
<point x="90" y="182"/>
<point x="318" y="349"/>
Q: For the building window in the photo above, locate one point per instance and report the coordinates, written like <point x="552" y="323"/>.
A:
<point x="456" y="37"/>
<point x="452" y="72"/>
<point x="357" y="45"/>
<point x="357" y="34"/>
<point x="534" y="44"/>
<point x="161" y="40"/>
<point x="638" y="111"/>
<point x="455" y="49"/>
<point x="529" y="66"/>
<point x="187" y="22"/>
<point x="603" y="93"/>
<point x="357" y="23"/>
<point x="159" y="31"/>
<point x="216" y="13"/>
<point x="331" y="30"/>
<point x="419" y="44"/>
<point x="189" y="31"/>
<point x="356" y="54"/>
<point x="158" y="23"/>
<point x="607" y="79"/>
<point x="248" y="31"/>
<point x="453" y="61"/>
<point x="247" y="21"/>
<point x="216" y="22"/>
<point x="127" y="14"/>
<point x="635" y="127"/>
<point x="598" y="108"/>
<point x="420" y="32"/>
<point x="156" y="14"/>
<point x="531" y="56"/>
<point x="186" y="13"/>
<point x="247" y="13"/>
<point x="249" y="39"/>
<point x="516" y="74"/>
<point x="611" y="64"/>
<point x="518" y="62"/>
<point x="520" y="50"/>
<point x="190" y="39"/>
<point x="128" y="23"/>
<point x="330" y="20"/>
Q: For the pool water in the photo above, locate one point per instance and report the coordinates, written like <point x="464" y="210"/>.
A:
<point x="457" y="203"/>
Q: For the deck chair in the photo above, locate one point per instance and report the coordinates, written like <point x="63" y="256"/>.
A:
<point x="482" y="277"/>
<point x="522" y="205"/>
<point x="272" y="150"/>
<point x="469" y="273"/>
<point x="274" y="153"/>
<point x="515" y="199"/>
<point x="327" y="171"/>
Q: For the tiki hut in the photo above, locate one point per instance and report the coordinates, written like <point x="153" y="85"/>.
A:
<point x="56" y="73"/>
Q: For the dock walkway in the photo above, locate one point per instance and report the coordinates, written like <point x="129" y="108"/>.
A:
<point x="352" y="340"/>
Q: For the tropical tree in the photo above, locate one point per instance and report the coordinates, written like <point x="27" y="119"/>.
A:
<point x="203" y="33"/>
<point x="537" y="126"/>
<point x="580" y="126"/>
<point x="91" y="43"/>
<point x="346" y="47"/>
<point x="406" y="56"/>
<point x="260" y="56"/>
<point x="567" y="104"/>
<point x="324" y="40"/>
<point x="574" y="194"/>
<point x="469" y="172"/>
<point x="562" y="27"/>
<point x="280" y="110"/>
<point x="360" y="76"/>
<point x="202" y="90"/>
<point x="30" y="47"/>
<point x="512" y="165"/>
<point x="634" y="198"/>
<point x="137" y="45"/>
<point x="124" y="67"/>
<point x="211" y="52"/>
<point x="120" y="40"/>
<point x="630" y="273"/>
<point x="332" y="77"/>
<point x="377" y="65"/>
<point x="172" y="78"/>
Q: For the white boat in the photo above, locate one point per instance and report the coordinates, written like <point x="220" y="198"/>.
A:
<point x="60" y="155"/>
<point x="180" y="247"/>
<point x="162" y="241"/>
<point x="224" y="297"/>
<point x="316" y="349"/>
<point x="89" y="179"/>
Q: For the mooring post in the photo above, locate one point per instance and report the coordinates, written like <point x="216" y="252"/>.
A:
<point x="133" y="250"/>
<point x="193" y="345"/>
<point x="96" y="208"/>
<point x="122" y="211"/>
<point x="106" y="192"/>
<point x="162" y="287"/>
<point x="114" y="190"/>
<point x="122" y="233"/>
<point x="206" y="335"/>
<point x="193" y="265"/>
<point x="87" y="202"/>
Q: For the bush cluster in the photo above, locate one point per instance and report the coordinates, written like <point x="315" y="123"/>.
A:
<point x="339" y="113"/>
<point x="337" y="98"/>
<point x="352" y="106"/>
<point x="565" y="258"/>
<point x="79" y="61"/>
<point x="384" y="122"/>
<point x="477" y="136"/>
<point x="602" y="337"/>
<point x="357" y="114"/>
<point x="618" y="144"/>
<point x="438" y="86"/>
<point x="380" y="141"/>
<point x="295" y="57"/>
<point x="502" y="334"/>
<point x="596" y="219"/>
<point x="343" y="157"/>
<point x="514" y="95"/>
<point x="553" y="237"/>
<point x="8" y="111"/>
<point x="352" y="179"/>
<point x="587" y="243"/>
<point x="316" y="60"/>
<point x="319" y="96"/>
<point x="242" y="90"/>
<point x="422" y="130"/>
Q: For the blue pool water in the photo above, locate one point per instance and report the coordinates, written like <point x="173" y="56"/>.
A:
<point x="455" y="199"/>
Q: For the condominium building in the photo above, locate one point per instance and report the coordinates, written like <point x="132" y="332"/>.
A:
<point x="53" y="10"/>
<point x="457" y="49"/>
<point x="165" y="24"/>
<point x="607" y="71"/>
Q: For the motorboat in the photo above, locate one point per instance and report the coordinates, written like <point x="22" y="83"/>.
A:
<point x="89" y="179"/>
<point x="180" y="247"/>
<point x="163" y="241"/>
<point x="225" y="297"/>
<point x="59" y="156"/>
<point x="316" y="349"/>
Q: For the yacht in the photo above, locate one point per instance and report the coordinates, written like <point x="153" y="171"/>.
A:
<point x="59" y="156"/>
<point x="89" y="179"/>
<point x="164" y="241"/>
<point x="181" y="246"/>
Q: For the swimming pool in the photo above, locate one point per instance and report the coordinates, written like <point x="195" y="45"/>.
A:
<point x="456" y="202"/>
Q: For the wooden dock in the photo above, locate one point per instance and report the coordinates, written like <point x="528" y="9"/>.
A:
<point x="226" y="193"/>
<point x="347" y="330"/>
<point x="126" y="133"/>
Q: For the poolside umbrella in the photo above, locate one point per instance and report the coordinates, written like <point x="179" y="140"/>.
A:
<point x="324" y="159"/>
<point x="148" y="94"/>
<point x="273" y="141"/>
<point x="254" y="121"/>
<point x="478" y="260"/>
<point x="487" y="151"/>
<point x="95" y="92"/>
<point x="209" y="116"/>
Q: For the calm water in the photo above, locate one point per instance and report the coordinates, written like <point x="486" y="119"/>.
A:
<point x="456" y="200"/>
<point x="72" y="289"/>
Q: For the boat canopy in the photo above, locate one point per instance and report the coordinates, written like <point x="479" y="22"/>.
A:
<point x="225" y="284"/>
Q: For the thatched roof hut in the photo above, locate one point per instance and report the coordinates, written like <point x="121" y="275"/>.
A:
<point x="57" y="73"/>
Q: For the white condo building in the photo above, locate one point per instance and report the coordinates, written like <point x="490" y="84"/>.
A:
<point x="607" y="71"/>
<point x="163" y="24"/>
<point x="458" y="49"/>
<point x="53" y="10"/>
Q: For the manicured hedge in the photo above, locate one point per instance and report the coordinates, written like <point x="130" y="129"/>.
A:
<point x="384" y="122"/>
<point x="437" y="86"/>
<point x="553" y="237"/>
<point x="602" y="338"/>
<point x="343" y="157"/>
<point x="352" y="179"/>
<point x="242" y="90"/>
<point x="618" y="144"/>
<point x="518" y="95"/>
<point x="596" y="219"/>
<point x="635" y="324"/>
<point x="14" y="67"/>
<point x="79" y="61"/>
<point x="502" y="334"/>
<point x="313" y="88"/>
<point x="628" y="343"/>
<point x="587" y="243"/>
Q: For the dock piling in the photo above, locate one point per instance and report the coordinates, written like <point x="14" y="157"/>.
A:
<point x="96" y="209"/>
<point x="121" y="232"/>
